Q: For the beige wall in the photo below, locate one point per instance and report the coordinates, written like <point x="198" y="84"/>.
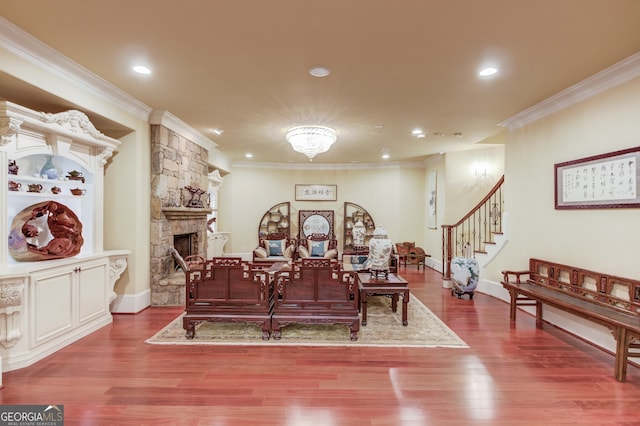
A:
<point x="459" y="189"/>
<point x="604" y="240"/>
<point x="463" y="188"/>
<point x="394" y="195"/>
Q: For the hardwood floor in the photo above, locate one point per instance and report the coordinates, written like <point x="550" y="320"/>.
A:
<point x="508" y="376"/>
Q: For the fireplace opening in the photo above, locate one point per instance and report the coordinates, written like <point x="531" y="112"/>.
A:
<point x="185" y="245"/>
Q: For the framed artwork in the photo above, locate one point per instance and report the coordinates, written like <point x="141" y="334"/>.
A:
<point x="431" y="199"/>
<point x="315" y="222"/>
<point x="316" y="192"/>
<point x="603" y="181"/>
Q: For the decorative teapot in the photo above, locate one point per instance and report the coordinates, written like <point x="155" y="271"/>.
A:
<point x="35" y="187"/>
<point x="78" y="191"/>
<point x="14" y="186"/>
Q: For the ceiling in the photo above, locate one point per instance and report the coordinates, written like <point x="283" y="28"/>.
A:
<point x="242" y="65"/>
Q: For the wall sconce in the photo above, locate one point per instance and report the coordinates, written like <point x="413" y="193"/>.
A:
<point x="481" y="173"/>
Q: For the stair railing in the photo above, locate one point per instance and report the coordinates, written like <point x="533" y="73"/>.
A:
<point x="472" y="233"/>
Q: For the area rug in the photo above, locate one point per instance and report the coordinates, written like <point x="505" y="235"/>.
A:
<point x="384" y="328"/>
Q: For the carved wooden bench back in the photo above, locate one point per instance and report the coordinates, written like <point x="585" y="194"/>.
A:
<point x="608" y="290"/>
<point x="315" y="282"/>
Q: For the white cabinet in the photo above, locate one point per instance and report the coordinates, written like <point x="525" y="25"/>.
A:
<point x="47" y="304"/>
<point x="66" y="298"/>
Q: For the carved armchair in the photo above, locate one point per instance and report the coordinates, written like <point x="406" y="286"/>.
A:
<point x="275" y="247"/>
<point x="318" y="245"/>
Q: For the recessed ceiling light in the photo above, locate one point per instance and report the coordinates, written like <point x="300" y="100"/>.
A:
<point x="488" y="72"/>
<point x="248" y="155"/>
<point x="319" y="71"/>
<point x="218" y="131"/>
<point x="417" y="132"/>
<point x="141" y="69"/>
<point x="421" y="135"/>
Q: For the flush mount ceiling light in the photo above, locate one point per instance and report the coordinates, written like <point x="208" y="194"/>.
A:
<point x="319" y="71"/>
<point x="141" y="69"/>
<point x="311" y="140"/>
<point x="488" y="72"/>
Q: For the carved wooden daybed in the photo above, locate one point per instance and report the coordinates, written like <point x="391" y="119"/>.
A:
<point x="316" y="290"/>
<point x="227" y="289"/>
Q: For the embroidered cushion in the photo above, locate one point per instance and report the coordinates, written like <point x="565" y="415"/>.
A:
<point x="303" y="251"/>
<point x="318" y="248"/>
<point x="276" y="247"/>
<point x="260" y="253"/>
<point x="331" y="254"/>
<point x="288" y="252"/>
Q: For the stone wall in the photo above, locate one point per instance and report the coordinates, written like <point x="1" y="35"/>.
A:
<point x="176" y="162"/>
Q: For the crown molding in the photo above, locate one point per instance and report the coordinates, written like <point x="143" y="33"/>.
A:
<point x="617" y="74"/>
<point x="34" y="51"/>
<point x="171" y="122"/>
<point x="337" y="166"/>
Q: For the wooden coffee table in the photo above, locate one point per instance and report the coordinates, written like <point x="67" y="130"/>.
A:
<point x="394" y="286"/>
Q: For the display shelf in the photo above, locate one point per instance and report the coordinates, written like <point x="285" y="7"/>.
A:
<point x="276" y="219"/>
<point x="30" y="186"/>
<point x="59" y="286"/>
<point x="352" y="214"/>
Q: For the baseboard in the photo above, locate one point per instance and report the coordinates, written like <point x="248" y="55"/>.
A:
<point x="492" y="288"/>
<point x="435" y="264"/>
<point x="131" y="304"/>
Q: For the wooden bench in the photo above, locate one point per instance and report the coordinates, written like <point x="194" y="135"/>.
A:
<point x="315" y="291"/>
<point x="227" y="289"/>
<point x="605" y="299"/>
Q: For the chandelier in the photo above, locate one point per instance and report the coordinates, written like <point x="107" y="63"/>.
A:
<point x="311" y="140"/>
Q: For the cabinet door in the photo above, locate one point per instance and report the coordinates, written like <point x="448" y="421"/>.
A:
<point x="93" y="296"/>
<point x="51" y="304"/>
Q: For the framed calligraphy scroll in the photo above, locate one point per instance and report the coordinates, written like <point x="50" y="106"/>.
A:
<point x="603" y="181"/>
<point x="316" y="192"/>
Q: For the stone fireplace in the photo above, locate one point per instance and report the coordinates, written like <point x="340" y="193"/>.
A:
<point x="176" y="163"/>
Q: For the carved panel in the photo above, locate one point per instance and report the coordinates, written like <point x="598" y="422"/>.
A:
<point x="316" y="222"/>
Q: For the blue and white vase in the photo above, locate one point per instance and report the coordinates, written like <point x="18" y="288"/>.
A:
<point x="49" y="170"/>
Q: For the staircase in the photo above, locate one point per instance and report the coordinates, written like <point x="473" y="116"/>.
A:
<point x="479" y="234"/>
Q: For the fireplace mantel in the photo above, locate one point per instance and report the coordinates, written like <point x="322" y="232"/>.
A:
<point x="181" y="213"/>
